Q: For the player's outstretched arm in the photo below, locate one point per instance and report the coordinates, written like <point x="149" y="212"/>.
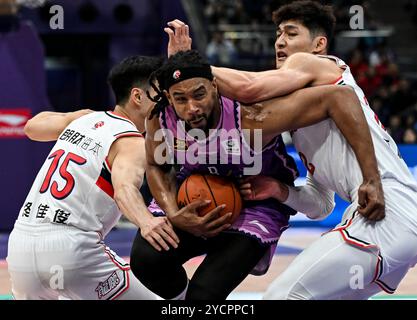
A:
<point x="128" y="161"/>
<point x="299" y="70"/>
<point x="47" y="126"/>
<point x="346" y="111"/>
<point x="312" y="199"/>
<point x="247" y="86"/>
<point x="308" y="106"/>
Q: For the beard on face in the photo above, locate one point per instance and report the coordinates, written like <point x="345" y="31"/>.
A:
<point x="195" y="121"/>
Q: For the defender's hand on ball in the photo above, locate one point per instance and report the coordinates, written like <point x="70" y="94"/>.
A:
<point x="209" y="225"/>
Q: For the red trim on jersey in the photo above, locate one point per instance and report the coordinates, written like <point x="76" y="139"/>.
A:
<point x="129" y="135"/>
<point x="383" y="287"/>
<point x="354" y="242"/>
<point x="346" y="224"/>
<point x="377" y="269"/>
<point x="338" y="79"/>
<point x="350" y="239"/>
<point x="108" y="163"/>
<point x="376" y="279"/>
<point x="124" y="269"/>
<point x="106" y="186"/>
<point x="117" y="263"/>
<point x="118" y="115"/>
<point x="125" y="288"/>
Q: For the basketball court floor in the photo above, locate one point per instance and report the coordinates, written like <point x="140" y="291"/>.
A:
<point x="292" y="242"/>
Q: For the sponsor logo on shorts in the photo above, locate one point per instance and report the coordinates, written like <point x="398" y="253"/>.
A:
<point x="107" y="286"/>
<point x="259" y="225"/>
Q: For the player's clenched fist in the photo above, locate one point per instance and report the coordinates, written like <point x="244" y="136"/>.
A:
<point x="371" y="200"/>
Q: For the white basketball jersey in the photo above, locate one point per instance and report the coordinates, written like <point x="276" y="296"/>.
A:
<point x="74" y="184"/>
<point x="332" y="162"/>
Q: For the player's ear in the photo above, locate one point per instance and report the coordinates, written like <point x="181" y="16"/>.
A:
<point x="214" y="83"/>
<point x="136" y="95"/>
<point x="319" y="45"/>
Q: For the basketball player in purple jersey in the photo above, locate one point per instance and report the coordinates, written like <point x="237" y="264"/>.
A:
<point x="189" y="104"/>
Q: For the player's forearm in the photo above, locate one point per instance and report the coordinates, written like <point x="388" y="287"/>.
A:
<point x="163" y="188"/>
<point x="314" y="201"/>
<point x="346" y="111"/>
<point x="251" y="87"/>
<point x="234" y="84"/>
<point x="131" y="204"/>
<point x="46" y="126"/>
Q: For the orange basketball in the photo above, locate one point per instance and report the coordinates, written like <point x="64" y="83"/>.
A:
<point x="210" y="187"/>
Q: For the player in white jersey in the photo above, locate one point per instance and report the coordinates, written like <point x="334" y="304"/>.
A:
<point x="91" y="176"/>
<point x="379" y="246"/>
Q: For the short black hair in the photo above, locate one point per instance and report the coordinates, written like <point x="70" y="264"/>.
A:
<point x="316" y="17"/>
<point x="181" y="60"/>
<point x="132" y="72"/>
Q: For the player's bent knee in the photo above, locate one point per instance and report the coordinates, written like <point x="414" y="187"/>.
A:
<point x="159" y="271"/>
<point x="146" y="262"/>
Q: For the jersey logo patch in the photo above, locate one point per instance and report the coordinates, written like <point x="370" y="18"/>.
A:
<point x="231" y="146"/>
<point x="180" y="145"/>
<point x="98" y="125"/>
